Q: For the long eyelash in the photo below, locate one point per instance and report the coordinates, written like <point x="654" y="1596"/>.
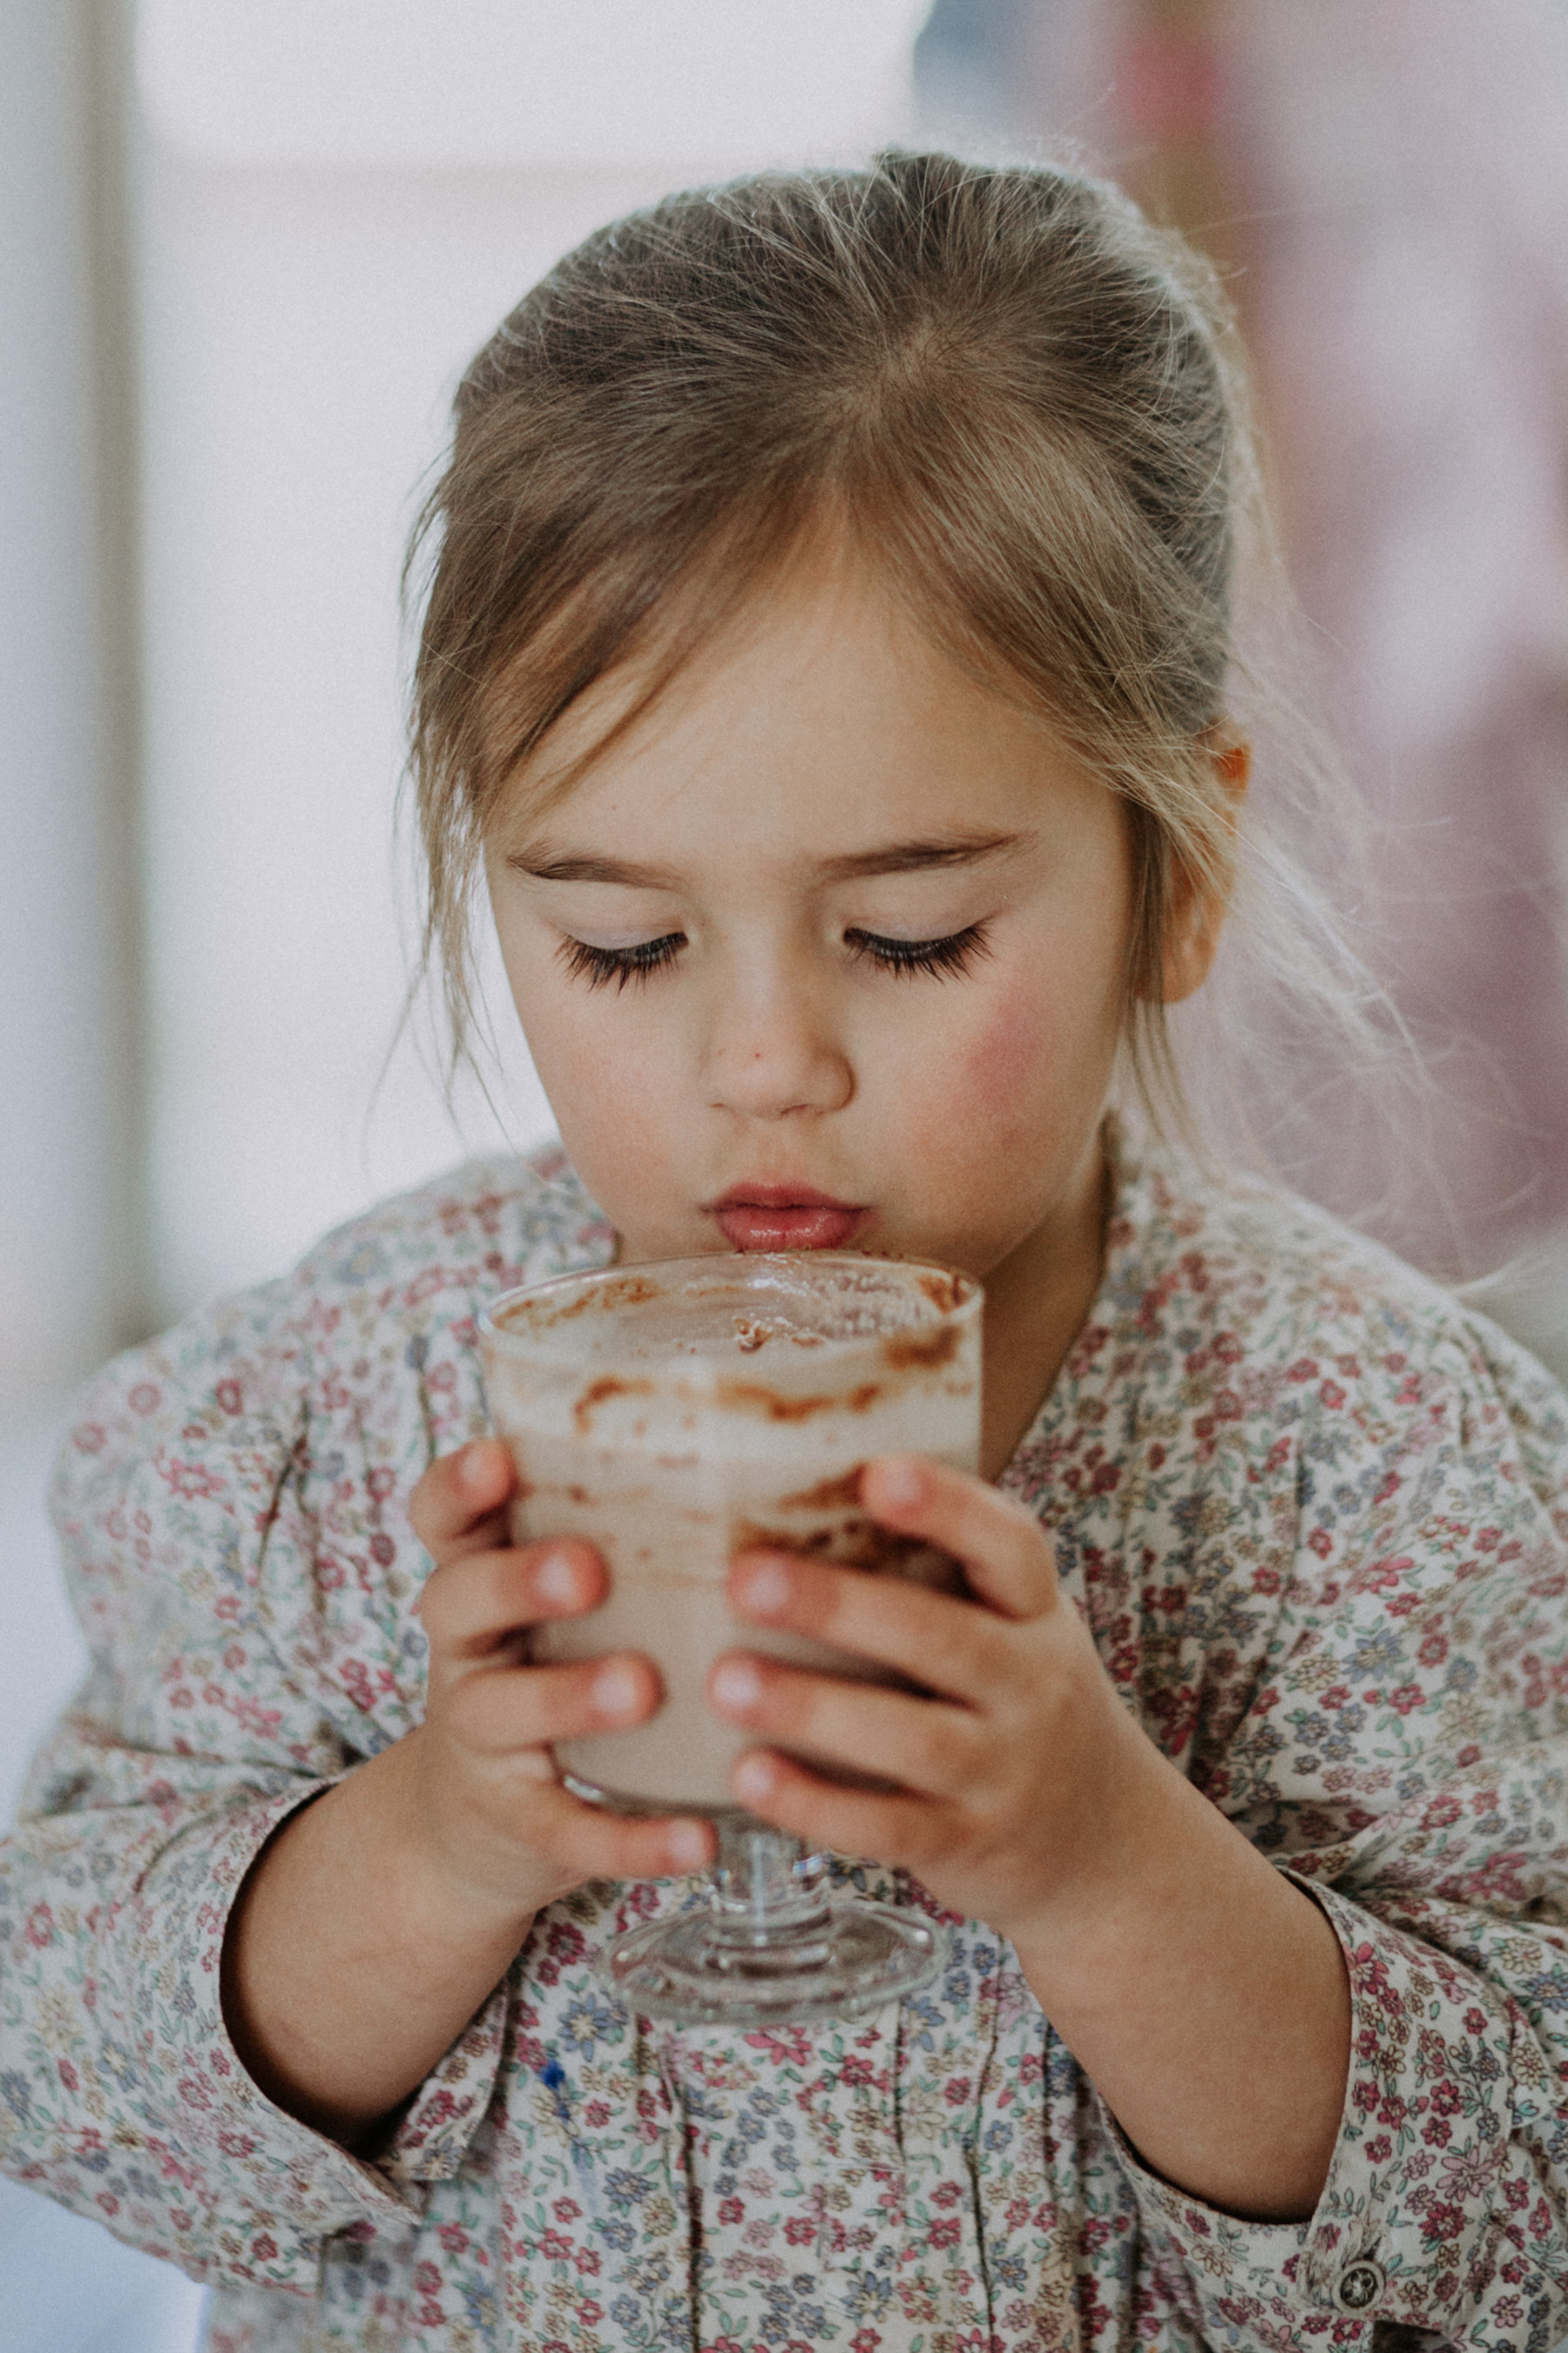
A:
<point x="944" y="959"/>
<point x="599" y="966"/>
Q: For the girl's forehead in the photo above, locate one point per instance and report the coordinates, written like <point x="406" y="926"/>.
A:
<point x="820" y="705"/>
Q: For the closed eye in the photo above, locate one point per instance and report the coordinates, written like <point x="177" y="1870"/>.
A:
<point x="944" y="959"/>
<point x="600" y="966"/>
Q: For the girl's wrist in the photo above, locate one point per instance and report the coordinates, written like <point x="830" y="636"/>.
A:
<point x="1171" y="1943"/>
<point x="466" y="1895"/>
<point x="350" y="1961"/>
<point x="1103" y="1894"/>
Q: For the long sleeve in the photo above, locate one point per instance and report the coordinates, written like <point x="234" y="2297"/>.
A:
<point x="1317" y="1519"/>
<point x="1403" y="1752"/>
<point x="233" y="1535"/>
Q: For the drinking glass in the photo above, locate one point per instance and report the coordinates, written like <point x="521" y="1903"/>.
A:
<point x="676" y="1414"/>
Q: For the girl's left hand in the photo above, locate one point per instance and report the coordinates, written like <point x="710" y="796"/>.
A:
<point x="1201" y="1991"/>
<point x="1021" y="1782"/>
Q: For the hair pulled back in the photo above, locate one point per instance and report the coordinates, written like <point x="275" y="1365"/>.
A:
<point x="1012" y="391"/>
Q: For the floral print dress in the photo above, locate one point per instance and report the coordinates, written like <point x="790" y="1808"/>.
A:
<point x="1317" y="1516"/>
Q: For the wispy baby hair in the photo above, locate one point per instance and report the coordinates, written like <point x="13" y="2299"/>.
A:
<point x="1015" y="396"/>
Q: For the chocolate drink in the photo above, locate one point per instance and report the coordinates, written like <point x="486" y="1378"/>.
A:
<point x="674" y="1414"/>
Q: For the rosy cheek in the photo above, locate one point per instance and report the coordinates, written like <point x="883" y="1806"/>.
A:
<point x="1009" y="1056"/>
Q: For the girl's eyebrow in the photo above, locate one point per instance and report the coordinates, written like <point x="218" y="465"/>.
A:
<point x="891" y="858"/>
<point x="546" y="868"/>
<point x="914" y="857"/>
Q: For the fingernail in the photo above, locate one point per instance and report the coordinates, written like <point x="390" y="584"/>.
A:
<point x="736" y="1684"/>
<point x="468" y="1463"/>
<point x="753" y="1779"/>
<point x="902" y="1482"/>
<point x="617" y="1692"/>
<point x="555" y="1580"/>
<point x="688" y="1846"/>
<point x="765" y="1587"/>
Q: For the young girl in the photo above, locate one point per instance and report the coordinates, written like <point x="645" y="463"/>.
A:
<point x="824" y="663"/>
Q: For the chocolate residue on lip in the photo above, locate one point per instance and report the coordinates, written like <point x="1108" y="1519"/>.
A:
<point x="908" y="1351"/>
<point x="844" y="1492"/>
<point x="598" y="1391"/>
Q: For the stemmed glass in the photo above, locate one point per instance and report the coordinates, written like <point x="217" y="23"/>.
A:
<point x="673" y="1415"/>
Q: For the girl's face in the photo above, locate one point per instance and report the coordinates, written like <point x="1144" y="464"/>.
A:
<point x="825" y="951"/>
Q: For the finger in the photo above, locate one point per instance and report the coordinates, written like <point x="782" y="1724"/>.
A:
<point x="475" y="1604"/>
<point x="459" y="1504"/>
<point x="503" y="1708"/>
<point x="903" y="1830"/>
<point x="935" y="1639"/>
<point x="589" y="1842"/>
<point x="923" y="1744"/>
<point x="1004" y="1548"/>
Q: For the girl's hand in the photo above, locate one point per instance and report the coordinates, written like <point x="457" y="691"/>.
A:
<point x="489" y="1810"/>
<point x="1014" y="1780"/>
<point x="1198" y="1989"/>
<point x="375" y="1923"/>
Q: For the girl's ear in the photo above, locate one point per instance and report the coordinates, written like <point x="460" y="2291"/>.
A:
<point x="1198" y="910"/>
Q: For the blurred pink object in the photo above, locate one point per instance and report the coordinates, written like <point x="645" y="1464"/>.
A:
<point x="1393" y="178"/>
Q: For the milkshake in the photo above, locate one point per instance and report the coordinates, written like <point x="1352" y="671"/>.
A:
<point x="676" y="1414"/>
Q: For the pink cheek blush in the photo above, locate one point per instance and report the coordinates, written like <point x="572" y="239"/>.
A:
<point x="1009" y="1062"/>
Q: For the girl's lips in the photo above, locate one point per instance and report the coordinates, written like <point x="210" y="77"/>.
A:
<point x="772" y="1219"/>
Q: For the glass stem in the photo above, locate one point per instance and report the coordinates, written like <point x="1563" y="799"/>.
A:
<point x="766" y="1890"/>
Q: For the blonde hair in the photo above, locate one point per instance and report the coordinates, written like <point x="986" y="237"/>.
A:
<point x="1021" y="400"/>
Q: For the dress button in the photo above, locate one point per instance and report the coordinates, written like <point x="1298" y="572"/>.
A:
<point x="1358" y="2287"/>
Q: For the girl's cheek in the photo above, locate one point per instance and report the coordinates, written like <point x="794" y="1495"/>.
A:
<point x="1009" y="1059"/>
<point x="619" y="1124"/>
<point x="609" y="1101"/>
<point x="1046" y="1039"/>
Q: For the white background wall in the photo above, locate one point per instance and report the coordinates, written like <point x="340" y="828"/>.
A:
<point x="329" y="205"/>
<point x="54" y="1112"/>
<point x="302" y="334"/>
<point x="330" y="225"/>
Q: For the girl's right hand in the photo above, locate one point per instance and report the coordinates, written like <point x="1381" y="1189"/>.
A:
<point x="493" y="1818"/>
<point x="373" y="1926"/>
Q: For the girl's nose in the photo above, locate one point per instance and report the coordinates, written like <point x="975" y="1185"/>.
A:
<point x="770" y="1053"/>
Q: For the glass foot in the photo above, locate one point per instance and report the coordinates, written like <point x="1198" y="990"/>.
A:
<point x="687" y="1970"/>
<point x="771" y="1949"/>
